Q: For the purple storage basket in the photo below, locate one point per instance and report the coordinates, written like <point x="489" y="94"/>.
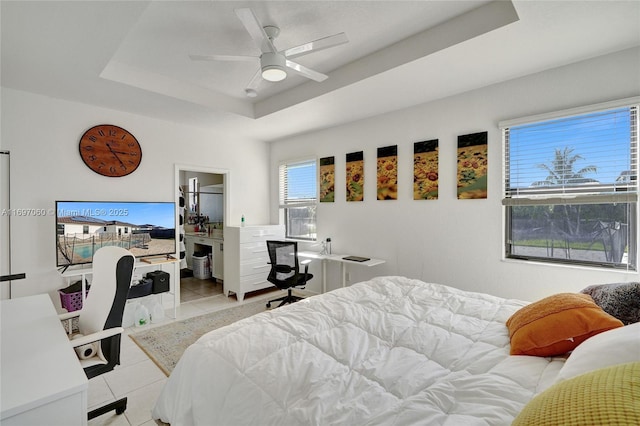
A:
<point x="72" y="300"/>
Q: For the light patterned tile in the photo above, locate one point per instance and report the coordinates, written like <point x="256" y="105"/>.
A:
<point x="130" y="353"/>
<point x="126" y="379"/>
<point x="141" y="402"/>
<point x="187" y="295"/>
<point x="99" y="393"/>
<point x="188" y="310"/>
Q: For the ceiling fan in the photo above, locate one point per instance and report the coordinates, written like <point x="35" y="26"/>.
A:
<point x="274" y="64"/>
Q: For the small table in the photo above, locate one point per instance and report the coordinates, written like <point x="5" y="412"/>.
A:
<point x="42" y="381"/>
<point x="336" y="258"/>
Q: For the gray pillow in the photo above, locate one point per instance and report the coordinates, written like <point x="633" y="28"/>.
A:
<point x="621" y="300"/>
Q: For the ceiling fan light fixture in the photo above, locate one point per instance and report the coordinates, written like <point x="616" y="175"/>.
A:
<point x="273" y="67"/>
<point x="273" y="73"/>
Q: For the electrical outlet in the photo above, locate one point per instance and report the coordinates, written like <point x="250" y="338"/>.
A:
<point x="347" y="277"/>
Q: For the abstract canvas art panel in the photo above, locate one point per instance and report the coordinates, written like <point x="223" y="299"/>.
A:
<point x="472" y="166"/>
<point x="327" y="179"/>
<point x="355" y="176"/>
<point x="425" y="170"/>
<point x="388" y="173"/>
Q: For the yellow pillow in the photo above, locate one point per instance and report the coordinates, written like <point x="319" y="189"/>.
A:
<point x="557" y="324"/>
<point x="609" y="396"/>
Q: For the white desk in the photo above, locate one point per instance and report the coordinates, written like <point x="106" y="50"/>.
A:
<point x="42" y="382"/>
<point x="336" y="258"/>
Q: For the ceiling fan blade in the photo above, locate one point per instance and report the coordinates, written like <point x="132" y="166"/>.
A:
<point x="316" y="45"/>
<point x="306" y="72"/>
<point x="223" y="58"/>
<point x="255" y="30"/>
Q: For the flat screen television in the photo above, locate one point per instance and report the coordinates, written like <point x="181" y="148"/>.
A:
<point x="144" y="228"/>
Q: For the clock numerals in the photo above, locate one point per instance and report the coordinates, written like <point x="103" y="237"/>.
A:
<point x="92" y="138"/>
<point x="111" y="133"/>
<point x="92" y="157"/>
<point x="88" y="148"/>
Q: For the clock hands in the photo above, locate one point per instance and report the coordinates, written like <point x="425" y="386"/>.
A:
<point x="116" y="155"/>
<point x="123" y="152"/>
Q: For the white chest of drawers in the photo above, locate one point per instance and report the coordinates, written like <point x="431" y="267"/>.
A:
<point x="246" y="260"/>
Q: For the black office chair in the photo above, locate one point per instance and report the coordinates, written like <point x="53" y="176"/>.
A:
<point x="285" y="270"/>
<point x="100" y="319"/>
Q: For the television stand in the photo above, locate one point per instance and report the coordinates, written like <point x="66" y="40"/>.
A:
<point x="139" y="264"/>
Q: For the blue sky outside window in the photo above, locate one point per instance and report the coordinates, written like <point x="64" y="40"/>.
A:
<point x="601" y="139"/>
<point x="301" y="181"/>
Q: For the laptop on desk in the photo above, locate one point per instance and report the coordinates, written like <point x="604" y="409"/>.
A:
<point x="356" y="258"/>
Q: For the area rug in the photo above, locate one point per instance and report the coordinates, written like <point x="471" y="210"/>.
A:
<point x="165" y="344"/>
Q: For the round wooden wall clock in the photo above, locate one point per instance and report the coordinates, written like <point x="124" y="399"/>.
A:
<point x="110" y="150"/>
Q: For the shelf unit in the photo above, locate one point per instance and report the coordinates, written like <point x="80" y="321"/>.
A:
<point x="140" y="264"/>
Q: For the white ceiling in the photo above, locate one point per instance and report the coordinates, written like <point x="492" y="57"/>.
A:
<point x="133" y="55"/>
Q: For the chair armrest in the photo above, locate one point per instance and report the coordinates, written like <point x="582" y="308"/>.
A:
<point x="69" y="315"/>
<point x="95" y="337"/>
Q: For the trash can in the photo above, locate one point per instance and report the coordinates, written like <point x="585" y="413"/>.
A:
<point x="201" y="267"/>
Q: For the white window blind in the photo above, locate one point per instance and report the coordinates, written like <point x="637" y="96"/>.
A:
<point x="589" y="158"/>
<point x="298" y="183"/>
<point x="298" y="197"/>
<point x="571" y="186"/>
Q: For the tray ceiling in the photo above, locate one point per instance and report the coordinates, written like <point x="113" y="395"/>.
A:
<point x="134" y="56"/>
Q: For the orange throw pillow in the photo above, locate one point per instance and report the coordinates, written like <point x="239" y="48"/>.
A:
<point x="557" y="324"/>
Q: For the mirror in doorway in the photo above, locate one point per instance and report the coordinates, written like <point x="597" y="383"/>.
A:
<point x="205" y="204"/>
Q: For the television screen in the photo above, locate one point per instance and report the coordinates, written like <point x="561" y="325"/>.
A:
<point x="82" y="227"/>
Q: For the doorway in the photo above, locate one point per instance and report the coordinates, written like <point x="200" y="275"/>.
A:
<point x="205" y="192"/>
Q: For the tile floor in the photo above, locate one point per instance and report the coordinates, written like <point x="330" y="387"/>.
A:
<point x="137" y="377"/>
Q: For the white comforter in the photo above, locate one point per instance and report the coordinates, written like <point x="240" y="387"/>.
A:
<point x="390" y="351"/>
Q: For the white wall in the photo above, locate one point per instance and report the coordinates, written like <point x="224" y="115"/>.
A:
<point x="451" y="241"/>
<point x="43" y="134"/>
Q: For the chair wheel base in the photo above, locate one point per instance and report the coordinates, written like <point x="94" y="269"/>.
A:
<point x="289" y="298"/>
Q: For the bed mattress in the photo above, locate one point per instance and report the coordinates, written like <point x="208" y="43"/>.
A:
<point x="391" y="350"/>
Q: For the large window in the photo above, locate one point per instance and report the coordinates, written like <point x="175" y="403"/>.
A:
<point x="571" y="186"/>
<point x="298" y="198"/>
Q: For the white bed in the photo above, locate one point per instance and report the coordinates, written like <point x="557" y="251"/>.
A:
<point x="390" y="351"/>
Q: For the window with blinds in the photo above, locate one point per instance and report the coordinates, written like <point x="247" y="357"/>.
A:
<point x="571" y="188"/>
<point x="298" y="198"/>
